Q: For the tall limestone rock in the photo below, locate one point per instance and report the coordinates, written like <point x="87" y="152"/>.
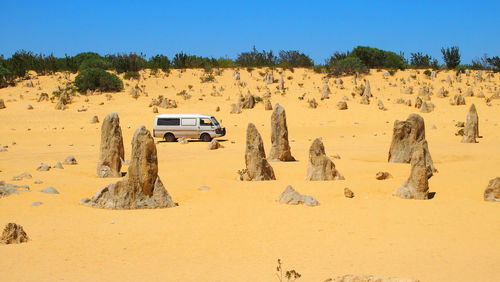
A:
<point x="257" y="166"/>
<point x="280" y="149"/>
<point x="471" y="130"/>
<point x="417" y="185"/>
<point x="111" y="152"/>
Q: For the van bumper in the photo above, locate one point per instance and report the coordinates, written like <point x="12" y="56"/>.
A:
<point x="221" y="131"/>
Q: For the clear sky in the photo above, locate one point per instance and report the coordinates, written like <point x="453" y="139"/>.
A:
<point x="226" y="28"/>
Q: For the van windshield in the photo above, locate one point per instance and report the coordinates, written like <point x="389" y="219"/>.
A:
<point x="214" y="121"/>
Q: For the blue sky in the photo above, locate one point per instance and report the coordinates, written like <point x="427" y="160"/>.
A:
<point x="226" y="28"/>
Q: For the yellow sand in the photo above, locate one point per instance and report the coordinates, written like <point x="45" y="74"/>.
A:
<point x="236" y="231"/>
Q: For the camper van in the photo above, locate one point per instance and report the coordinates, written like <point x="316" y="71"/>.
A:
<point x="172" y="126"/>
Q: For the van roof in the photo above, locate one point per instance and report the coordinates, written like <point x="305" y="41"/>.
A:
<point x="183" y="116"/>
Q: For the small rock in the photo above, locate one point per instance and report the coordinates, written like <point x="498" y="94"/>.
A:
<point x="35" y="204"/>
<point x="84" y="201"/>
<point x="183" y="140"/>
<point x="58" y="165"/>
<point x="348" y="193"/>
<point x="204" y="188"/>
<point x="381" y="175"/>
<point x="49" y="190"/>
<point x="13" y="234"/>
<point x="70" y="160"/>
<point x="43" y="167"/>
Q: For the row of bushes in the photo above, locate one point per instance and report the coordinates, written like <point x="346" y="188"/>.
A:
<point x="360" y="59"/>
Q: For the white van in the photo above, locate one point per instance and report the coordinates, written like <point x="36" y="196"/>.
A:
<point x="172" y="126"/>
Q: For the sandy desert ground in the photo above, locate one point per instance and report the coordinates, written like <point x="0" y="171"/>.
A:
<point x="236" y="231"/>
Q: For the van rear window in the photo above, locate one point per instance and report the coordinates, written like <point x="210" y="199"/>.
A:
<point x="168" y="121"/>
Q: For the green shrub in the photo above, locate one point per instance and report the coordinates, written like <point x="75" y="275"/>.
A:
<point x="5" y="76"/>
<point x="347" y="66"/>
<point x="94" y="63"/>
<point x="427" y="72"/>
<point x="393" y="61"/>
<point x="294" y="59"/>
<point x="376" y="58"/>
<point x="127" y="62"/>
<point x="96" y="78"/>
<point x="451" y="56"/>
<point x="255" y="58"/>
<point x="131" y="74"/>
<point x="494" y="62"/>
<point x="159" y="62"/>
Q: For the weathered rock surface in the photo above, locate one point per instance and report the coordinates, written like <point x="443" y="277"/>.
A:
<point x="141" y="188"/>
<point x="342" y="105"/>
<point x="235" y="109"/>
<point x="292" y="197"/>
<point x="417" y="185"/>
<point x="471" y="130"/>
<point x="408" y="135"/>
<point x="255" y="157"/>
<point x="111" y="152"/>
<point x="13" y="234"/>
<point x="94" y="119"/>
<point x="492" y="192"/>
<point x="280" y="149"/>
<point x="457" y="100"/>
<point x="268" y="106"/>
<point x="248" y="102"/>
<point x="2" y="104"/>
<point x="325" y="91"/>
<point x="320" y="167"/>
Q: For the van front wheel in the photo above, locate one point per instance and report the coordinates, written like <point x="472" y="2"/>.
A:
<point x="205" y="137"/>
<point x="169" y="137"/>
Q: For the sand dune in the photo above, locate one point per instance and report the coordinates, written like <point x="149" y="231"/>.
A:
<point x="236" y="231"/>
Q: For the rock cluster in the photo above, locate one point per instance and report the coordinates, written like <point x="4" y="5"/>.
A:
<point x="407" y="136"/>
<point x="141" y="188"/>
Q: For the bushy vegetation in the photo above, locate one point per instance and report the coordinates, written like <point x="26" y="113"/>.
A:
<point x="451" y="56"/>
<point x="97" y="79"/>
<point x="360" y="59"/>
<point x="255" y="58"/>
<point x="418" y="60"/>
<point x="294" y="59"/>
<point x="376" y="58"/>
<point x="347" y="66"/>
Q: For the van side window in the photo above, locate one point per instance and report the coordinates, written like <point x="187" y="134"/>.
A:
<point x="205" y="122"/>
<point x="188" y="121"/>
<point x="168" y="121"/>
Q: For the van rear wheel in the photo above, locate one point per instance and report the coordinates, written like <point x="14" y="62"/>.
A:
<point x="205" y="137"/>
<point x="169" y="137"/>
